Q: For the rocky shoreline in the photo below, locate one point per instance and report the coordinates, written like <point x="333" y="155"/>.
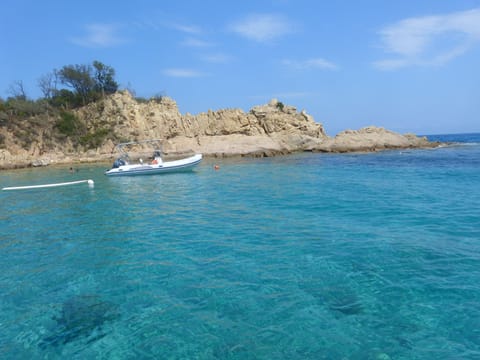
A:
<point x="266" y="130"/>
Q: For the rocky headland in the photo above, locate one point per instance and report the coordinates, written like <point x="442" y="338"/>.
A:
<point x="265" y="130"/>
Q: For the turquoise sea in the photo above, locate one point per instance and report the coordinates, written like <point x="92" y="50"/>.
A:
<point x="306" y="256"/>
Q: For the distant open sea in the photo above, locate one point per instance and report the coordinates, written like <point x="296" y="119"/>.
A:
<point x="307" y="256"/>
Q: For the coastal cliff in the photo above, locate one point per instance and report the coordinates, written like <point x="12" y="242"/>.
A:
<point x="265" y="130"/>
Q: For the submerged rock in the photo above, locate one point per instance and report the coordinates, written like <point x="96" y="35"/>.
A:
<point x="342" y="299"/>
<point x="81" y="316"/>
<point x="339" y="299"/>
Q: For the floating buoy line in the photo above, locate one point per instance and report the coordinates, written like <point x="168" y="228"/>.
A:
<point x="90" y="183"/>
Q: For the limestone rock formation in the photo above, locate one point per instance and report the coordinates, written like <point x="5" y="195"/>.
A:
<point x="268" y="129"/>
<point x="265" y="130"/>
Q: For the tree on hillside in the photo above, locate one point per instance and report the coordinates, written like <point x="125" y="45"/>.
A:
<point x="48" y="84"/>
<point x="104" y="78"/>
<point x="17" y="90"/>
<point x="79" y="78"/>
<point x="88" y="82"/>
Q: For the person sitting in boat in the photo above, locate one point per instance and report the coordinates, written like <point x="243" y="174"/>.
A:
<point x="157" y="157"/>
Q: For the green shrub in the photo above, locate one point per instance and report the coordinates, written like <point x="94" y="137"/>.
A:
<point x="141" y="100"/>
<point x="68" y="124"/>
<point x="65" y="99"/>
<point x="157" y="98"/>
<point x="95" y="139"/>
<point x="23" y="108"/>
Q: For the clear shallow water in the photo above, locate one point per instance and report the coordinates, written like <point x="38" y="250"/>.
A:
<point x="309" y="256"/>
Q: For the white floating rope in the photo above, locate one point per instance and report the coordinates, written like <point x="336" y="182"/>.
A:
<point x="90" y="183"/>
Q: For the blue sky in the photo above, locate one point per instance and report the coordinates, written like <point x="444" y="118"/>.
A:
<point x="409" y="66"/>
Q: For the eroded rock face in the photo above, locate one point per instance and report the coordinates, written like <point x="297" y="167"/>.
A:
<point x="371" y="139"/>
<point x="265" y="130"/>
<point x="270" y="129"/>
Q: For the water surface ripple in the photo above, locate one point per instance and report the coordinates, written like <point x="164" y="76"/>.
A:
<point x="309" y="256"/>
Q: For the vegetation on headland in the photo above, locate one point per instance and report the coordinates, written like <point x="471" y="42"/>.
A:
<point x="63" y="90"/>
